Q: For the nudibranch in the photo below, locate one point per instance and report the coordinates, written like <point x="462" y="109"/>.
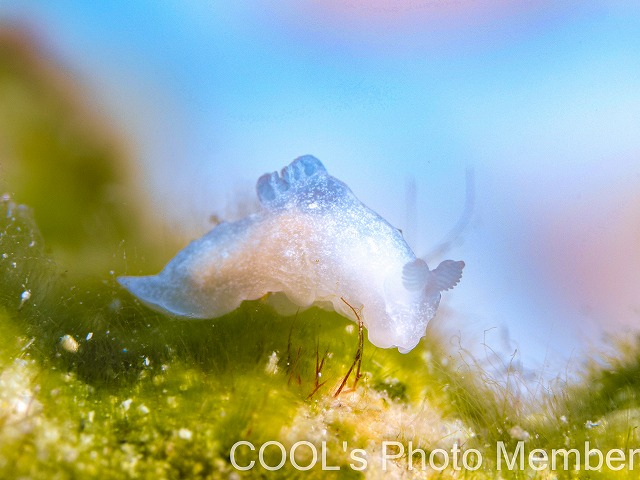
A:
<point x="312" y="242"/>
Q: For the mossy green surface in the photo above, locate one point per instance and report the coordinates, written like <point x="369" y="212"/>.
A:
<point x="137" y="393"/>
<point x="95" y="385"/>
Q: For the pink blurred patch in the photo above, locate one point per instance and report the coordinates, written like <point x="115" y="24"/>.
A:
<point x="590" y="254"/>
<point x="407" y="12"/>
<point x="389" y="24"/>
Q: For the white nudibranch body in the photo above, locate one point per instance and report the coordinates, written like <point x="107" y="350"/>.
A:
<point x="313" y="242"/>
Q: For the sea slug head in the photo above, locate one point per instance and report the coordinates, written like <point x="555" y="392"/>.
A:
<point x="303" y="183"/>
<point x="411" y="301"/>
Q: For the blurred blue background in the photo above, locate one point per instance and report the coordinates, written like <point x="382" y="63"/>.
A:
<point x="398" y="98"/>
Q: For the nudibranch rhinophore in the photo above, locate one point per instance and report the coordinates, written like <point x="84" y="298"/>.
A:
<point x="312" y="242"/>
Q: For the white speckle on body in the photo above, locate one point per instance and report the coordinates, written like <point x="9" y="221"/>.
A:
<point x="185" y="434"/>
<point x="20" y="405"/>
<point x="589" y="424"/>
<point x="518" y="433"/>
<point x="126" y="404"/>
<point x="313" y="242"/>
<point x="272" y="364"/>
<point x="24" y="297"/>
<point x="89" y="336"/>
<point x="29" y="343"/>
<point x="69" y="343"/>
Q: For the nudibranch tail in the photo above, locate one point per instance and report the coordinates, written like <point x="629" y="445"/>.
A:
<point x="152" y="291"/>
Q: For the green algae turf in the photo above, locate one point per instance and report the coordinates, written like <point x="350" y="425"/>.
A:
<point x="95" y="385"/>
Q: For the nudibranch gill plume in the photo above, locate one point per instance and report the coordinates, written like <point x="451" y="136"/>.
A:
<point x="312" y="242"/>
